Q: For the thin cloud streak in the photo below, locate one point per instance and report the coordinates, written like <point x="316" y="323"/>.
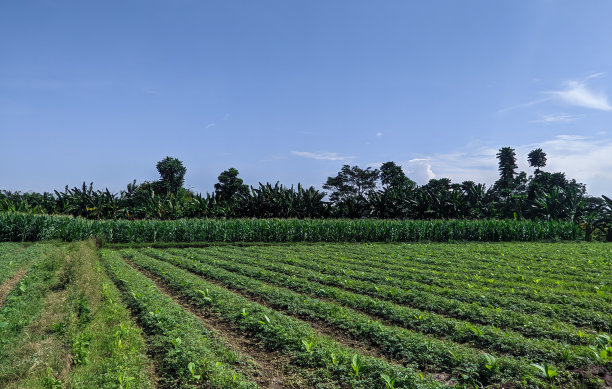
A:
<point x="577" y="93"/>
<point x="322" y="155"/>
<point x="524" y="105"/>
<point x="559" y="118"/>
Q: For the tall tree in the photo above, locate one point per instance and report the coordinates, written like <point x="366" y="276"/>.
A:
<point x="537" y="159"/>
<point x="507" y="167"/>
<point x="172" y="173"/>
<point x="230" y="187"/>
<point x="395" y="200"/>
<point x="393" y="177"/>
<point x="351" y="182"/>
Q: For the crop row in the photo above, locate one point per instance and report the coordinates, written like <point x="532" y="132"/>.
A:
<point x="569" y="266"/>
<point x="186" y="349"/>
<point x="484" y="337"/>
<point x="465" y="292"/>
<point x="490" y="284"/>
<point x="551" y="259"/>
<point x="395" y="342"/>
<point x="586" y="310"/>
<point x="279" y="332"/>
<point x="29" y="227"/>
<point x="375" y="285"/>
<point x="525" y="271"/>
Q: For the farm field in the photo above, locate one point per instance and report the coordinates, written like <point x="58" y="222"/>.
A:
<point x="307" y="315"/>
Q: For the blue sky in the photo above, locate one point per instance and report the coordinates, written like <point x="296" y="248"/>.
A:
<point x="291" y="91"/>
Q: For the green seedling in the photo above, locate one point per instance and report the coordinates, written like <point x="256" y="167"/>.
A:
<point x="334" y="359"/>
<point x="177" y="343"/>
<point x="389" y="383"/>
<point x="50" y="381"/>
<point x="244" y="313"/>
<point x="356" y="364"/>
<point x="205" y="295"/>
<point x="546" y="370"/>
<point x="191" y="367"/>
<point x="267" y="320"/>
<point x="477" y="331"/>
<point x="491" y="361"/>
<point x="307" y="345"/>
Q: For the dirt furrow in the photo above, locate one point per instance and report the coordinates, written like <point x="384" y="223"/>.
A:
<point x="270" y="372"/>
<point x="11" y="283"/>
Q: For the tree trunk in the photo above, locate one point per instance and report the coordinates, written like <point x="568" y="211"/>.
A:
<point x="588" y="233"/>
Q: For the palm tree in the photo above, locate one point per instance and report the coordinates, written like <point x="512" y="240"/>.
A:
<point x="507" y="166"/>
<point x="537" y="159"/>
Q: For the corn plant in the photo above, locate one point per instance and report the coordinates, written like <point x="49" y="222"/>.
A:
<point x="356" y="364"/>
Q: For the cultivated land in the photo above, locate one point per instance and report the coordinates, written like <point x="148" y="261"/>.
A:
<point x="306" y="315"/>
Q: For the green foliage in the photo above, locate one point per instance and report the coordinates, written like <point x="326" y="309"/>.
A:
<point x="277" y="332"/>
<point x="179" y="338"/>
<point x="27" y="227"/>
<point x="355" y="193"/>
<point x="487" y="314"/>
<point x="23" y="306"/>
<point x="537" y="159"/>
<point x="230" y="189"/>
<point x="350" y="189"/>
<point x="507" y="167"/>
<point x="172" y="173"/>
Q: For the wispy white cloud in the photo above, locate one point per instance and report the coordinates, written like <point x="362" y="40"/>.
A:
<point x="151" y="91"/>
<point x="578" y="93"/>
<point x="212" y="124"/>
<point x="322" y="155"/>
<point x="379" y="134"/>
<point x="525" y="105"/>
<point x="594" y="75"/>
<point x="558" y="118"/>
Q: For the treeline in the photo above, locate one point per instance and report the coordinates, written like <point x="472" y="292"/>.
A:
<point x="385" y="193"/>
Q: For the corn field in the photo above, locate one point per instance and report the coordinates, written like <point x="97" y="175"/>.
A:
<point x="28" y="227"/>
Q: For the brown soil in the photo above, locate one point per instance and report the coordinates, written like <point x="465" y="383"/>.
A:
<point x="597" y="371"/>
<point x="269" y="366"/>
<point x="10" y="284"/>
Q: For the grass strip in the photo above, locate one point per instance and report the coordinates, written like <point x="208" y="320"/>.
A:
<point x="12" y="258"/>
<point x="23" y="306"/>
<point x="107" y="348"/>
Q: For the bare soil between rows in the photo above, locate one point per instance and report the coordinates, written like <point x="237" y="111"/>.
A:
<point x="11" y="283"/>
